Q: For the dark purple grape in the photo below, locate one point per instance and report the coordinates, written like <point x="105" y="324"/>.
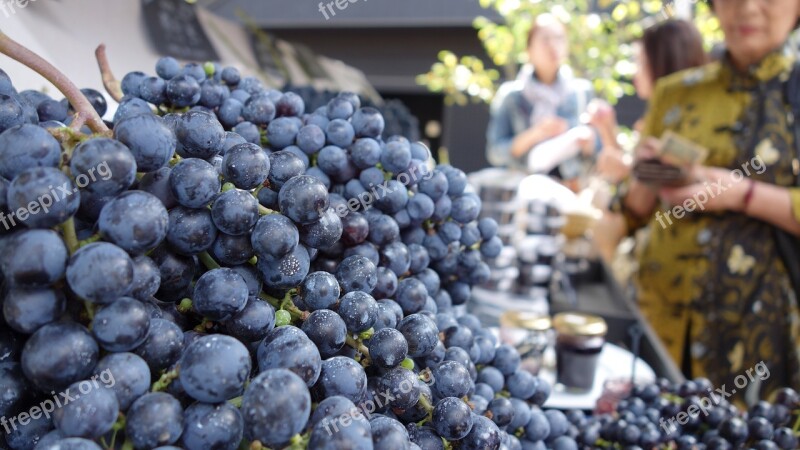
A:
<point x="154" y="419"/>
<point x="319" y="290"/>
<point x="303" y="199"/>
<point x="191" y="230"/>
<point x="357" y="273"/>
<point x="122" y="325"/>
<point x="91" y="414"/>
<point x="287" y="271"/>
<point x="420" y="333"/>
<point x="100" y="272"/>
<point x="343" y="376"/>
<point x="26" y="146"/>
<point x="288" y="347"/>
<point x="136" y="221"/>
<point x="324" y="233"/>
<point x="219" y="294"/>
<point x="358" y="310"/>
<point x="214" y="368"/>
<point x="42" y="197"/>
<point x="148" y="138"/>
<point x="327" y="330"/>
<point x="163" y="346"/>
<point x="274" y="236"/>
<point x="276" y="406"/>
<point x="387" y="348"/>
<point x="59" y="354"/>
<point x="452" y="418"/>
<point x="194" y="182"/>
<point x="126" y="375"/>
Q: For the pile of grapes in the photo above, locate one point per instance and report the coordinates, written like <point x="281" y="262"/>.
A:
<point x="227" y="270"/>
<point x="688" y="416"/>
<point x="397" y="117"/>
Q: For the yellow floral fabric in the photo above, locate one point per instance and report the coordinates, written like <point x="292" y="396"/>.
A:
<point x="713" y="284"/>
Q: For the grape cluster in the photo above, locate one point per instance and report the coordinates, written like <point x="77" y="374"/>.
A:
<point x="237" y="271"/>
<point x="691" y="415"/>
<point x="399" y="119"/>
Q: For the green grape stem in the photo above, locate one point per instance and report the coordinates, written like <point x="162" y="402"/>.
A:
<point x="70" y="236"/>
<point x="237" y="402"/>
<point x="185" y="306"/>
<point x="425" y="403"/>
<point x="361" y="348"/>
<point x="208" y="261"/>
<point x="286" y="305"/>
<point x="165" y="380"/>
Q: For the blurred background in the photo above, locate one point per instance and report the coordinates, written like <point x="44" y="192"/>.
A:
<point x="434" y="65"/>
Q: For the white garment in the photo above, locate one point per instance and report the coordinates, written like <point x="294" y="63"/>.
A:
<point x="544" y="98"/>
<point x="547" y="155"/>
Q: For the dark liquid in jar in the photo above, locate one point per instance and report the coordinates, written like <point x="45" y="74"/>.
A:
<point x="576" y="366"/>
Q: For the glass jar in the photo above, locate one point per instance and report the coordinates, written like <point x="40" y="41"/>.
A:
<point x="530" y="333"/>
<point x="579" y="341"/>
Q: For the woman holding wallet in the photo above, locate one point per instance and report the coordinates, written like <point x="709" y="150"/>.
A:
<point x="711" y="278"/>
<point x="664" y="48"/>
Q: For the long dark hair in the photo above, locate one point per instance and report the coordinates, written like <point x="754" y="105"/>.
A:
<point x="671" y="46"/>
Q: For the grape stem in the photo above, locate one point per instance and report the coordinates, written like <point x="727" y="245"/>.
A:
<point x="360" y="347"/>
<point x="208" y="261"/>
<point x="185" y="306"/>
<point x="75" y="97"/>
<point x="89" y="240"/>
<point x="264" y="211"/>
<point x="70" y="236"/>
<point x="128" y="445"/>
<point x="237" y="402"/>
<point x="89" y="307"/>
<point x="426" y="405"/>
<point x="286" y="305"/>
<point x="796" y="426"/>
<point x="165" y="380"/>
<point x="110" y="82"/>
<point x="118" y="425"/>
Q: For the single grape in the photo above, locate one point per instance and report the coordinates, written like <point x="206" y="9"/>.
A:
<point x="287" y="347"/>
<point x="194" y="182"/>
<point x="100" y="272"/>
<point x="327" y="330"/>
<point x="211" y="426"/>
<point x="122" y="325"/>
<point x="214" y="368"/>
<point x="276" y="406"/>
<point x="59" y="354"/>
<point x="136" y="221"/>
<point x="154" y="419"/>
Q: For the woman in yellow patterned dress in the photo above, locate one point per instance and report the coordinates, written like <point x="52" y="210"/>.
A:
<point x="711" y="280"/>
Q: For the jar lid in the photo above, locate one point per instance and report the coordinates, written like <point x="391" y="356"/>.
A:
<point x="579" y="324"/>
<point x="526" y="320"/>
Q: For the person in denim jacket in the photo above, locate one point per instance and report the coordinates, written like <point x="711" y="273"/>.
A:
<point x="544" y="101"/>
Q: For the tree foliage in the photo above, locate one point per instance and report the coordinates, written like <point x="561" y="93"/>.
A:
<point x="601" y="35"/>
